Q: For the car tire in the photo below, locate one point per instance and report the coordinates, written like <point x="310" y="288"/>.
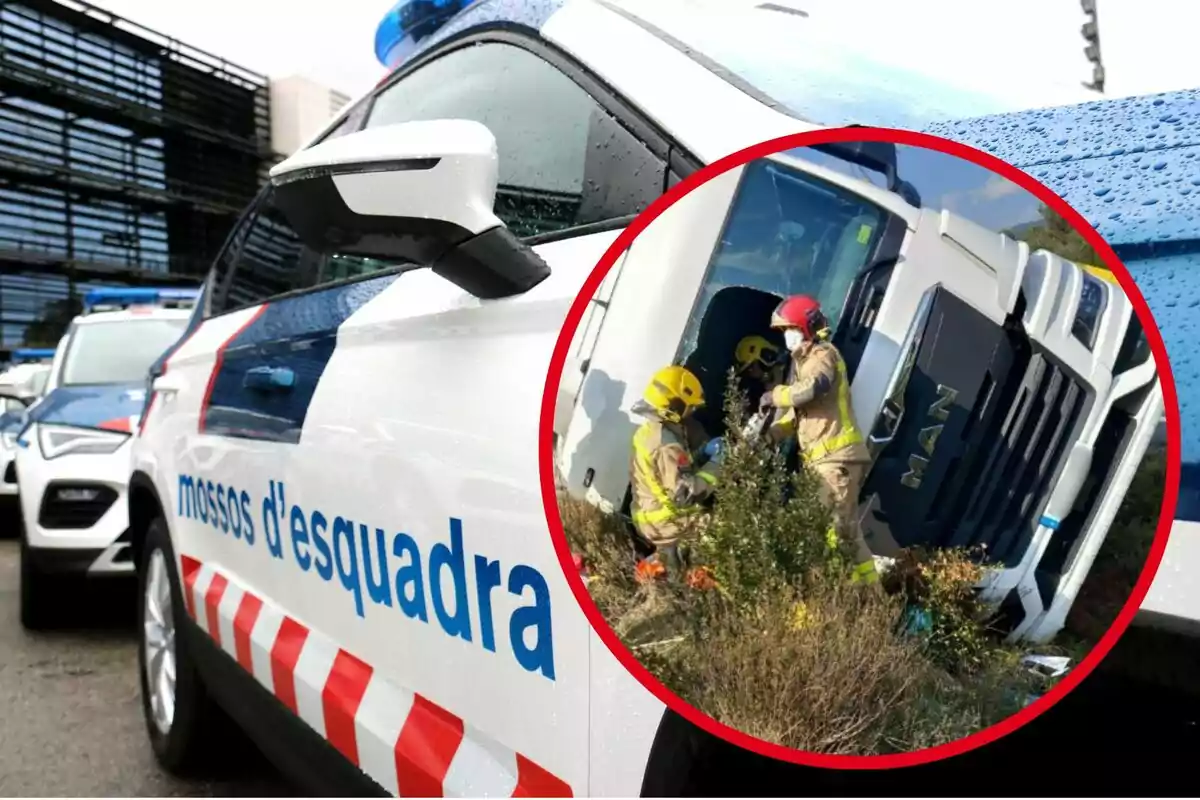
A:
<point x="41" y="600"/>
<point x="191" y="742"/>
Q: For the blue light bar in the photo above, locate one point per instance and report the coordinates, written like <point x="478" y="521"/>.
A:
<point x="32" y="354"/>
<point x="408" y="24"/>
<point x="138" y="296"/>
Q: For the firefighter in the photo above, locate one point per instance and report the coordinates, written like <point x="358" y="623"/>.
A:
<point x="669" y="490"/>
<point x="818" y="409"/>
<point x="757" y="369"/>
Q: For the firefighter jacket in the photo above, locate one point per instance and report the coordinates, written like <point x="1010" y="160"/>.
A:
<point x="819" y="409"/>
<point x="667" y="486"/>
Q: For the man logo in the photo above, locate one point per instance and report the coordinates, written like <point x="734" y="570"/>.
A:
<point x="939" y="412"/>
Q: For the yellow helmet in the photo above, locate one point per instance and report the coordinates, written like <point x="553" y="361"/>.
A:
<point x="754" y="349"/>
<point x="673" y="393"/>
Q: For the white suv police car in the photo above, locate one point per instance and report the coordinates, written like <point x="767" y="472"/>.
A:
<point x="72" y="460"/>
<point x="335" y="503"/>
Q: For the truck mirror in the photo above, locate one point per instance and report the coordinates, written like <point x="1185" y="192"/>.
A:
<point x="416" y="192"/>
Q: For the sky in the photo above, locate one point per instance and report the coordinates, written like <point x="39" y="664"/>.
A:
<point x="274" y="37"/>
<point x="951" y="183"/>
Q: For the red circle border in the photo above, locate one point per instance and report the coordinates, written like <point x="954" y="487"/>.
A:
<point x="1076" y="675"/>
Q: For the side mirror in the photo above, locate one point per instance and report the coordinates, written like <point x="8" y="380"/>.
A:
<point x="23" y="396"/>
<point x="417" y="192"/>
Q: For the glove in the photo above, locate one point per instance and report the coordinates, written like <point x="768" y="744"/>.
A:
<point x="714" y="447"/>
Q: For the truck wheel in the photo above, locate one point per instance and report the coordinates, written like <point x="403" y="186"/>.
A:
<point x="185" y="725"/>
<point x="40" y="600"/>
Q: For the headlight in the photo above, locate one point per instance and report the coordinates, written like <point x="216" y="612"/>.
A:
<point x="1092" y="301"/>
<point x="61" y="440"/>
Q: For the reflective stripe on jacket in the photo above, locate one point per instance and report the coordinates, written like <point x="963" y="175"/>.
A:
<point x="822" y="412"/>
<point x="661" y="465"/>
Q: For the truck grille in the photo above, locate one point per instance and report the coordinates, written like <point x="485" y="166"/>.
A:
<point x="74" y="511"/>
<point x="1003" y="478"/>
<point x="982" y="425"/>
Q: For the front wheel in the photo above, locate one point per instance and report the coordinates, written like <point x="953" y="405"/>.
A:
<point x="42" y="600"/>
<point x="184" y="724"/>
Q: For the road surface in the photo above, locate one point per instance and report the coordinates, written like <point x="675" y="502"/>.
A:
<point x="70" y="711"/>
<point x="71" y="724"/>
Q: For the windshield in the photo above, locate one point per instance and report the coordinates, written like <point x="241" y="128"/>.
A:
<point x="791" y="233"/>
<point x="836" y="63"/>
<point x="37" y="384"/>
<point x="118" y="352"/>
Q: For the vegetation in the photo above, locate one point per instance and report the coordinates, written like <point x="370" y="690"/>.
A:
<point x="1055" y="234"/>
<point x="787" y="649"/>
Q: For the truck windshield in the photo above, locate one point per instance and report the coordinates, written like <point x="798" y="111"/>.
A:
<point x="791" y="233"/>
<point x="842" y="64"/>
<point x="118" y="352"/>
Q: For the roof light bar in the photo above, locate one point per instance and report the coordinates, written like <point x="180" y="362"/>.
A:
<point x="32" y="354"/>
<point x="108" y="299"/>
<point x="409" y="23"/>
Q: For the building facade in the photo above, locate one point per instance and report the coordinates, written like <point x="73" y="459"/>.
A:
<point x="125" y="157"/>
<point x="300" y="109"/>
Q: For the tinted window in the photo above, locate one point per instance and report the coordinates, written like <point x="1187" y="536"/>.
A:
<point x="564" y="161"/>
<point x="272" y="261"/>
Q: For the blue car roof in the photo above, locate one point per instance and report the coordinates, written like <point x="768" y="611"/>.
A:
<point x="1130" y="165"/>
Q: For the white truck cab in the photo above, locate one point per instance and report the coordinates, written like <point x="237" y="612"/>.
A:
<point x="334" y="499"/>
<point x="1009" y="395"/>
<point x="72" y="456"/>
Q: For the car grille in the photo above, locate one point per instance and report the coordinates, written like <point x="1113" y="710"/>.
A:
<point x="74" y="514"/>
<point x="1025" y="420"/>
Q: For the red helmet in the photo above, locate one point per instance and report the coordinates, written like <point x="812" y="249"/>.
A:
<point x="802" y="313"/>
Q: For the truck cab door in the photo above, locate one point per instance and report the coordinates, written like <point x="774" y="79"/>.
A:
<point x="583" y="344"/>
<point x="647" y="303"/>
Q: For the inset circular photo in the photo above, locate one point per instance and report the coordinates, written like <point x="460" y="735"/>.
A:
<point x="860" y="448"/>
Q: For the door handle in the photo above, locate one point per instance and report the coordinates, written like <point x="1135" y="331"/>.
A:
<point x="269" y="379"/>
<point x="169" y="383"/>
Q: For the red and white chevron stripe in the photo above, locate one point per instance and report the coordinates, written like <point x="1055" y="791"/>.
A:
<point x="407" y="744"/>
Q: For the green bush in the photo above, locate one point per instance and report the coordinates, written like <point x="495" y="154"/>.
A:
<point x="786" y="648"/>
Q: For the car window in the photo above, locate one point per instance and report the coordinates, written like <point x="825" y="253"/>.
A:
<point x="563" y="160"/>
<point x="272" y="261"/>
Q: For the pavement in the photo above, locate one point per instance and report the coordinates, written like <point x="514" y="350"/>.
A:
<point x="70" y="707"/>
<point x="71" y="724"/>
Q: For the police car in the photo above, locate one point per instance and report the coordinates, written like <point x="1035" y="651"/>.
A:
<point x="72" y="459"/>
<point x="21" y="386"/>
<point x="334" y="502"/>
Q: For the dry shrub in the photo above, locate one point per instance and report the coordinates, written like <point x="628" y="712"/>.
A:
<point x="849" y="679"/>
<point x="607" y="549"/>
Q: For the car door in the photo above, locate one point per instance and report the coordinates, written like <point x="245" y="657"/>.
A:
<point x="350" y="424"/>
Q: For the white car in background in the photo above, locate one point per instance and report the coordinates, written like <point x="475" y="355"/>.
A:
<point x="72" y="460"/>
<point x="21" y="386"/>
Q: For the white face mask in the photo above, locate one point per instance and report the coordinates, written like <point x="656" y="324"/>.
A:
<point x="793" y="339"/>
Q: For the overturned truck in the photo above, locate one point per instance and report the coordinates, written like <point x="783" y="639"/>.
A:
<point x="1008" y="395"/>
